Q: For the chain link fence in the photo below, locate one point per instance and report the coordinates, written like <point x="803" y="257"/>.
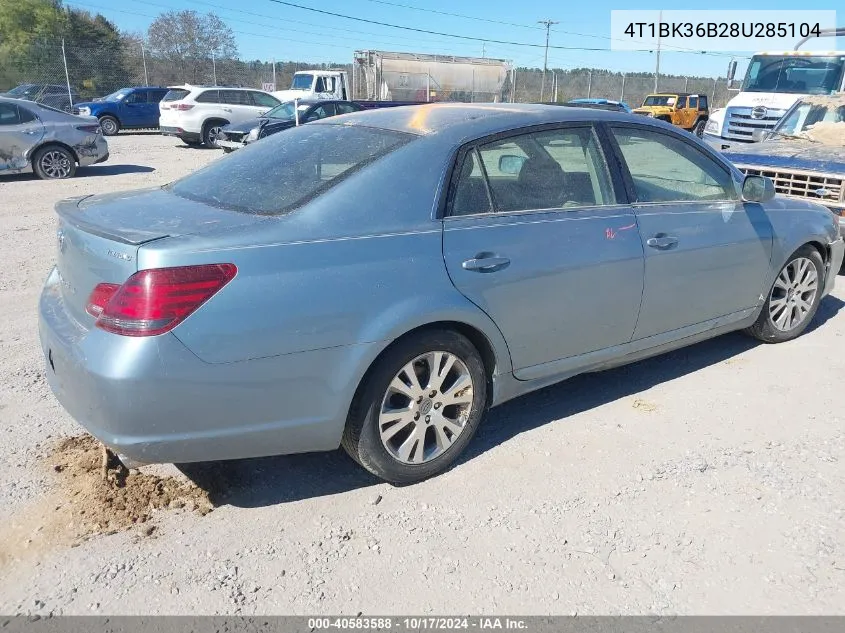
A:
<point x="94" y="72"/>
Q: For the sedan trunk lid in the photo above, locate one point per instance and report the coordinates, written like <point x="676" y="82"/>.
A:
<point x="99" y="236"/>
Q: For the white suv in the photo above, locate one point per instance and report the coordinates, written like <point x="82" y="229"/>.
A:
<point x="196" y="114"/>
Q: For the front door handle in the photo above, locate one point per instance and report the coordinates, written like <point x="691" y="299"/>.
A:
<point x="662" y="241"/>
<point x="227" y="109"/>
<point x="486" y="263"/>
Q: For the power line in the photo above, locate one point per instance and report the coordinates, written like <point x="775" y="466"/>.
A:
<point x="465" y="37"/>
<point x="455" y="15"/>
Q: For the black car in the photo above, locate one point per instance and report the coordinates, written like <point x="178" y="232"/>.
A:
<point x="53" y="95"/>
<point x="287" y="115"/>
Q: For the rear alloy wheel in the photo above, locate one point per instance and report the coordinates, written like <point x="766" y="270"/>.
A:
<point x="211" y="133"/>
<point x="793" y="299"/>
<point x="419" y="408"/>
<point x="54" y="163"/>
<point x="109" y="125"/>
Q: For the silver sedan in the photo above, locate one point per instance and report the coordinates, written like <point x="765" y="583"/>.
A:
<point x="51" y="143"/>
<point x="378" y="280"/>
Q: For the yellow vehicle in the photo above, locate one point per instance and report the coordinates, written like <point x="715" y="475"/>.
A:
<point x="679" y="108"/>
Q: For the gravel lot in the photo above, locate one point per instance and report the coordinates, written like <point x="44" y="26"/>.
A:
<point x="707" y="481"/>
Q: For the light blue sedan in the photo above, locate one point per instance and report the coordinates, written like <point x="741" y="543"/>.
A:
<point x="378" y="280"/>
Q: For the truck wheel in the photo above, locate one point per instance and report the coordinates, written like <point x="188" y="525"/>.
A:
<point x="109" y="125"/>
<point x="698" y="128"/>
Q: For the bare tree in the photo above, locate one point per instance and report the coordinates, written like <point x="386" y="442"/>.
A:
<point x="188" y="40"/>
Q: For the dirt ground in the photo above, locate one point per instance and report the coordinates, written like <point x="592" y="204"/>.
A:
<point x="710" y="480"/>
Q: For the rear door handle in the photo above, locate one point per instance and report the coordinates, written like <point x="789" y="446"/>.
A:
<point x="486" y="263"/>
<point x="662" y="241"/>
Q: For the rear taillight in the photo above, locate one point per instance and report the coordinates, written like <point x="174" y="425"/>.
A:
<point x="182" y="106"/>
<point x="155" y="301"/>
<point x="100" y="297"/>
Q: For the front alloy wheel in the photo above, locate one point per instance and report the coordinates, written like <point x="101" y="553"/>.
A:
<point x="794" y="298"/>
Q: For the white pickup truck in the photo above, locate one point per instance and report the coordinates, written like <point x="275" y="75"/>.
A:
<point x="317" y="84"/>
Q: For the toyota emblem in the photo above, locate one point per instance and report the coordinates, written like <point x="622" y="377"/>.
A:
<point x="759" y="112"/>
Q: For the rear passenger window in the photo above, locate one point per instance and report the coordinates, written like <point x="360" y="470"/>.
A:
<point x="263" y="100"/>
<point x="9" y="114"/>
<point x="25" y="115"/>
<point x="345" y="108"/>
<point x="209" y="96"/>
<point x="666" y="169"/>
<point x="157" y="95"/>
<point x="470" y="195"/>
<point x="693" y="102"/>
<point x="235" y="97"/>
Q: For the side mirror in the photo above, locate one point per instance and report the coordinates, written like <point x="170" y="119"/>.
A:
<point x="759" y="135"/>
<point x="732" y="70"/>
<point x="757" y="189"/>
<point x="510" y="164"/>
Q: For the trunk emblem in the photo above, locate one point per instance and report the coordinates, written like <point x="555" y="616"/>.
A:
<point x="123" y="256"/>
<point x="60" y="234"/>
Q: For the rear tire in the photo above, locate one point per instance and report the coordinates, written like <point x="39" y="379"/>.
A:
<point x="404" y="435"/>
<point x="54" y="162"/>
<point x="793" y="299"/>
<point x="109" y="125"/>
<point x="698" y="128"/>
<point x="211" y="132"/>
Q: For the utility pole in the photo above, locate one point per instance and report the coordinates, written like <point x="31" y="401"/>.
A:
<point x="657" y="67"/>
<point x="483" y="49"/>
<point x="548" y="25"/>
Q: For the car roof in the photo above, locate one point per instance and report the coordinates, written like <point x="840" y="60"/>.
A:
<point x="478" y="119"/>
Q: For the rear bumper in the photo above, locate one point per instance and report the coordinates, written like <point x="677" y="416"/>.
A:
<point x="188" y="137"/>
<point x="91" y="155"/>
<point x="152" y="400"/>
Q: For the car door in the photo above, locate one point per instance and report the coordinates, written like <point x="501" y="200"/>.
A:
<point x="237" y="105"/>
<point x="20" y="130"/>
<point x="262" y="103"/>
<point x="706" y="253"/>
<point x="536" y="234"/>
<point x="134" y="109"/>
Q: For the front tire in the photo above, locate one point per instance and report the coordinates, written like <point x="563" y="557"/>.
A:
<point x="109" y="125"/>
<point x="54" y="163"/>
<point x="793" y="299"/>
<point x="418" y="407"/>
<point x="698" y="128"/>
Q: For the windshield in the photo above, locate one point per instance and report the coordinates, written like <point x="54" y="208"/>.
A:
<point x="284" y="171"/>
<point x="794" y="75"/>
<point x="659" y="100"/>
<point x="117" y="96"/>
<point x="285" y="111"/>
<point x="23" y="89"/>
<point x="302" y="82"/>
<point x="819" y="120"/>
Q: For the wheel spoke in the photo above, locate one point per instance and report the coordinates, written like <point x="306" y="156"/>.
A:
<point x="453" y="427"/>
<point x="780" y="322"/>
<point x="458" y="392"/>
<point x="443" y="441"/>
<point x="411" y="373"/>
<point x="399" y="386"/>
<point x="438" y="373"/>
<point x="399" y="418"/>
<point x="414" y="440"/>
<point x="777" y="307"/>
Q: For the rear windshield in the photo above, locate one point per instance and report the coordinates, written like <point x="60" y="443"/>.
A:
<point x="284" y="171"/>
<point x="175" y="95"/>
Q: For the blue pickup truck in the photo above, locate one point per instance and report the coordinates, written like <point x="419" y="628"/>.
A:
<point x="128" y="108"/>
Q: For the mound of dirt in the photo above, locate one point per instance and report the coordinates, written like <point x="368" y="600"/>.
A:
<point x="110" y="500"/>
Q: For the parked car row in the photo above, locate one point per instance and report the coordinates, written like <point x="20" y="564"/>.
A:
<point x="238" y="312"/>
